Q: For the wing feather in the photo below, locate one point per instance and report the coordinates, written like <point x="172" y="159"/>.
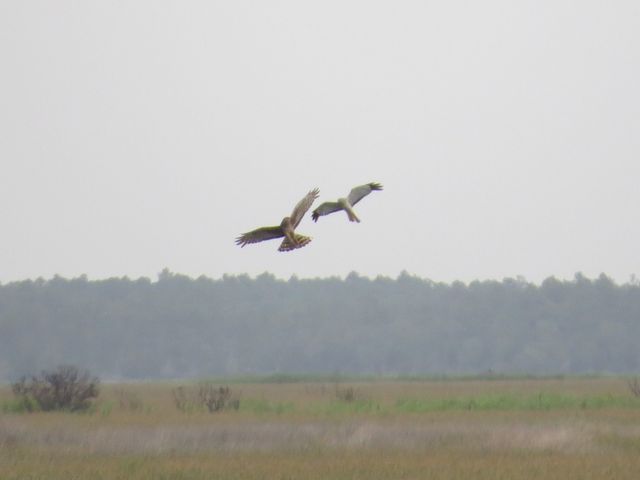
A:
<point x="259" y="235"/>
<point x="302" y="207"/>
<point x="358" y="193"/>
<point x="325" y="209"/>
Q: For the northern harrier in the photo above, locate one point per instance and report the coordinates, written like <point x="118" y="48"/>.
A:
<point x="286" y="228"/>
<point x="346" y="204"/>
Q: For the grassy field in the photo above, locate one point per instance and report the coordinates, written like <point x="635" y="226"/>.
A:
<point x="574" y="428"/>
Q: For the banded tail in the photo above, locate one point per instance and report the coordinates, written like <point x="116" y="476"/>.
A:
<point x="301" y="241"/>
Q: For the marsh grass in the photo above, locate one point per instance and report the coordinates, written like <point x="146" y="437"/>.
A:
<point x="261" y="406"/>
<point x="541" y="401"/>
<point x="587" y="428"/>
<point x="314" y="465"/>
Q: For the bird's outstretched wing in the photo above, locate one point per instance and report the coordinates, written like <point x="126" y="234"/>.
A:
<point x="325" y="209"/>
<point x="358" y="193"/>
<point x="259" y="235"/>
<point x="302" y="207"/>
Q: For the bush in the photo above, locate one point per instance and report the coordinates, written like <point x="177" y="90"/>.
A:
<point x="65" y="388"/>
<point x="129" y="401"/>
<point x="181" y="399"/>
<point x="205" y="395"/>
<point x="216" y="398"/>
<point x="348" y="394"/>
<point x="634" y="387"/>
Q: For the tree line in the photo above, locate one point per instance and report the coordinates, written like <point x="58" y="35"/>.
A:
<point x="180" y="327"/>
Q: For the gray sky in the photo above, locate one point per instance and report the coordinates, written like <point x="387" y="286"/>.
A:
<point x="141" y="135"/>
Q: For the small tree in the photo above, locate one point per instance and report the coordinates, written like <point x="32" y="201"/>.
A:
<point x="65" y="388"/>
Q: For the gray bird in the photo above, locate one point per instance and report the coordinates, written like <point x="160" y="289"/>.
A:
<point x="346" y="204"/>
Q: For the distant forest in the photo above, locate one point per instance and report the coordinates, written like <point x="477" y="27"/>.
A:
<point x="179" y="327"/>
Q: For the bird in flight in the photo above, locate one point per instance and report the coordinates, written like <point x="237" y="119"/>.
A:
<point x="355" y="195"/>
<point x="286" y="229"/>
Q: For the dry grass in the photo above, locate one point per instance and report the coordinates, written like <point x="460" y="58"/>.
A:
<point x="352" y="464"/>
<point x="136" y="432"/>
<point x="305" y="436"/>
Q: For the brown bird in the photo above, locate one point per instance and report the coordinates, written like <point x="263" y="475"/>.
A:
<point x="346" y="204"/>
<point x="286" y="229"/>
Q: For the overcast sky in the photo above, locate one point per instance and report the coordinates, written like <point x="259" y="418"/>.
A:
<point x="139" y="135"/>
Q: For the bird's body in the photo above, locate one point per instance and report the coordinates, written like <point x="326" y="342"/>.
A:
<point x="347" y="203"/>
<point x="286" y="229"/>
<point x="348" y="208"/>
<point x="292" y="240"/>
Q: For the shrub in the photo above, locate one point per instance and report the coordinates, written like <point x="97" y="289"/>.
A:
<point x="65" y="388"/>
<point x="634" y="387"/>
<point x="205" y="395"/>
<point x="347" y="394"/>
<point x="216" y="398"/>
<point x="128" y="401"/>
<point x="181" y="399"/>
